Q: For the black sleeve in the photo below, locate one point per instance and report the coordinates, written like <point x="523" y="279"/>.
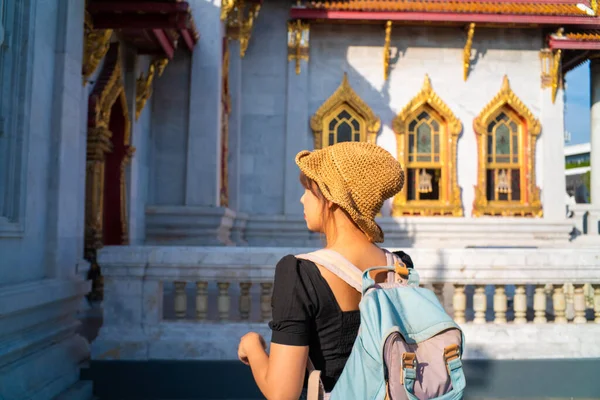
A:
<point x="405" y="258"/>
<point x="293" y="310"/>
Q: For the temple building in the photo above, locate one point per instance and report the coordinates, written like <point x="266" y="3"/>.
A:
<point x="147" y="168"/>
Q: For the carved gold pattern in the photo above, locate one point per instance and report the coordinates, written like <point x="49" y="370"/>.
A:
<point x="240" y="22"/>
<point x="298" y="42"/>
<point x="96" y="44"/>
<point x="98" y="145"/>
<point x="529" y="129"/>
<point x="590" y="35"/>
<point x="226" y="7"/>
<point x="144" y="84"/>
<point x="449" y="202"/>
<point x="225" y="111"/>
<point x="541" y="8"/>
<point x="344" y="98"/>
<point x="386" y="50"/>
<point x="556" y="73"/>
<point x="467" y="51"/>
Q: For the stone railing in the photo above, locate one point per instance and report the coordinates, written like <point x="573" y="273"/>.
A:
<point x="183" y="302"/>
<point x="586" y="220"/>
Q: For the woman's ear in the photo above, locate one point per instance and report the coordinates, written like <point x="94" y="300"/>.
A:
<point x="331" y="205"/>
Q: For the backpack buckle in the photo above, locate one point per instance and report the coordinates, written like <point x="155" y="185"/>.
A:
<point x="401" y="269"/>
<point x="451" y="353"/>
<point x="408" y="362"/>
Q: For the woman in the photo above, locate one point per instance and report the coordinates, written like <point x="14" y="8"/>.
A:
<point x="315" y="313"/>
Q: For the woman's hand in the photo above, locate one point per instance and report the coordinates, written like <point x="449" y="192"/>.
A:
<point x="248" y="343"/>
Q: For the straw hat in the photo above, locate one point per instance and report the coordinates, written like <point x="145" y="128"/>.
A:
<point x="358" y="177"/>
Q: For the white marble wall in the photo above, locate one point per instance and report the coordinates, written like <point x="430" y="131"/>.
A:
<point x="40" y="291"/>
<point x="357" y="49"/>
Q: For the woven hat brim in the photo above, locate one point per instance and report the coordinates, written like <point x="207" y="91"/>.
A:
<point x="312" y="170"/>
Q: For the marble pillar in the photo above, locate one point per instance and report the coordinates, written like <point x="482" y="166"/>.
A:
<point x="595" y="145"/>
<point x="297" y="134"/>
<point x="204" y="128"/>
<point x="551" y="175"/>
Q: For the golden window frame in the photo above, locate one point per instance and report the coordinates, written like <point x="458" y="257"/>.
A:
<point x="529" y="128"/>
<point x="344" y="98"/>
<point x="449" y="202"/>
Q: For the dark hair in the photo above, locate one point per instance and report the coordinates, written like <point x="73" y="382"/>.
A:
<point x="326" y="214"/>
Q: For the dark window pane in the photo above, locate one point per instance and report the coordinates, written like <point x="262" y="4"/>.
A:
<point x="513" y="126"/>
<point x="424" y="139"/>
<point x="355" y="125"/>
<point x="411" y="158"/>
<point x="490" y="159"/>
<point x="502" y="139"/>
<point x="490" y="185"/>
<point x="436" y="158"/>
<point x="344" y="132"/>
<point x="436" y="144"/>
<point x="411" y="185"/>
<point x="412" y="125"/>
<point x="503" y="159"/>
<point x="490" y="145"/>
<point x="503" y="196"/>
<point x="515" y="145"/>
<point x="435" y="175"/>
<point x="435" y="125"/>
<point x="357" y="137"/>
<point x="344" y="115"/>
<point x="516" y="159"/>
<point x="331" y="139"/>
<point x="491" y="127"/>
<point x="423" y="115"/>
<point x="411" y="143"/>
<point x="424" y="158"/>
<point x="502" y="117"/>
<point x="516" y="184"/>
<point x="332" y="124"/>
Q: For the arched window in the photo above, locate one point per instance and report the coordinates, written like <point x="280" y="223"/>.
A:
<point x="344" y="117"/>
<point x="506" y="134"/>
<point x="426" y="135"/>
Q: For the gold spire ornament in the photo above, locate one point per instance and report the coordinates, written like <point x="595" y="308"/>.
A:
<point x="503" y="185"/>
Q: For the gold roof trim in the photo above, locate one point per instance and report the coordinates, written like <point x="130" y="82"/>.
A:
<point x="585" y="36"/>
<point x="449" y="6"/>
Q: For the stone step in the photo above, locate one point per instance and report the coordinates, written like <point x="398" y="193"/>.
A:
<point x="81" y="390"/>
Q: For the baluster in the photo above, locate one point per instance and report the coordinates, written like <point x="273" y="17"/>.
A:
<point x="223" y="301"/>
<point x="201" y="300"/>
<point x="479" y="304"/>
<point x="500" y="305"/>
<point x="520" y="305"/>
<point x="597" y="303"/>
<point x="560" y="304"/>
<point x="180" y="303"/>
<point x="265" y="300"/>
<point x="438" y="289"/>
<point x="579" y="303"/>
<point x="459" y="303"/>
<point x="245" y="301"/>
<point x="539" y="305"/>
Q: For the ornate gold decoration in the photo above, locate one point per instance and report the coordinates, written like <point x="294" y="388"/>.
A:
<point x="541" y="8"/>
<point x="226" y="7"/>
<point x="344" y="98"/>
<point x="144" y="84"/>
<point x="225" y="111"/>
<point x="298" y="42"/>
<point x="386" y="50"/>
<point x="529" y="129"/>
<point x="546" y="59"/>
<point x="449" y="202"/>
<point x="467" y="51"/>
<point x="240" y="22"/>
<point x="556" y="73"/>
<point x="591" y="36"/>
<point x="95" y="46"/>
<point x="425" y="182"/>
<point x="98" y="145"/>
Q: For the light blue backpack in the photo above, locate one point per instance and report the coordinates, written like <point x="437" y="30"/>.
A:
<point x="407" y="347"/>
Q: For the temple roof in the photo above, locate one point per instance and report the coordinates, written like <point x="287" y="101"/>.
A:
<point x="540" y="12"/>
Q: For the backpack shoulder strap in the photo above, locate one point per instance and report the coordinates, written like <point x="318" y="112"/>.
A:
<point x="338" y="265"/>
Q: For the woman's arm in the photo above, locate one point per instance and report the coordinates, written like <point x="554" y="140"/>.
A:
<point x="279" y="376"/>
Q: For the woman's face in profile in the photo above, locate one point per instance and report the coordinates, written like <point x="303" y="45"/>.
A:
<point x="312" y="211"/>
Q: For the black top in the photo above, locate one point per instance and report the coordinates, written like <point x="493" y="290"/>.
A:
<point x="306" y="313"/>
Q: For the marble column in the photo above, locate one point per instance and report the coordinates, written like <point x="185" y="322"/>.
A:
<point x="595" y="144"/>
<point x="204" y="129"/>
<point x="235" y="124"/>
<point x="297" y="134"/>
<point x="551" y="175"/>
